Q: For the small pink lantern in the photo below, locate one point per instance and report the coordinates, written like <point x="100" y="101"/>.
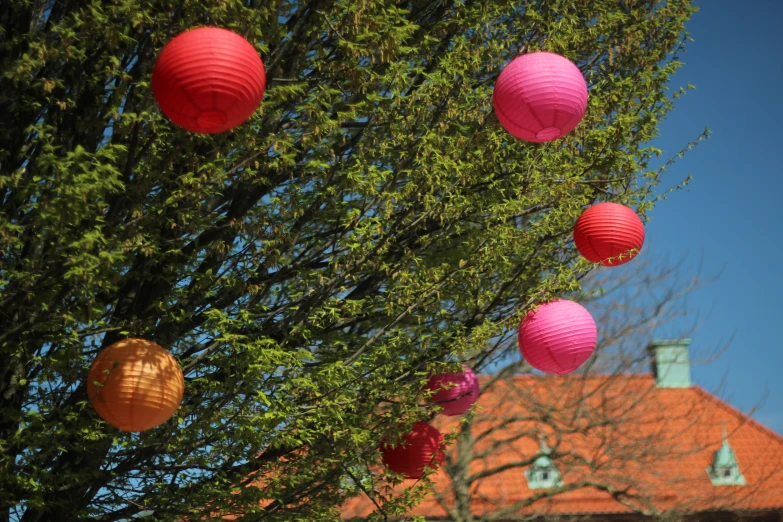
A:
<point x="540" y="97"/>
<point x="558" y="336"/>
<point x="456" y="392"/>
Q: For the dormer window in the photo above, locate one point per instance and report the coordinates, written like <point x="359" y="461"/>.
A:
<point x="543" y="474"/>
<point x="725" y="467"/>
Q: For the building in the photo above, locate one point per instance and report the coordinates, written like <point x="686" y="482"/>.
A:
<point x="610" y="447"/>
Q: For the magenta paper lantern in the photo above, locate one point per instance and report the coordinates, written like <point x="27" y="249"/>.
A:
<point x="208" y="80"/>
<point x="540" y="97"/>
<point x="609" y="233"/>
<point x="458" y="391"/>
<point x="558" y="336"/>
<point x="421" y="447"/>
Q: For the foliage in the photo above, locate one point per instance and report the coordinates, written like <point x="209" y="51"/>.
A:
<point x="609" y="433"/>
<point x="308" y="269"/>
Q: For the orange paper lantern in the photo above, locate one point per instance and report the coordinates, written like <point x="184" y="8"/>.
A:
<point x="135" y="385"/>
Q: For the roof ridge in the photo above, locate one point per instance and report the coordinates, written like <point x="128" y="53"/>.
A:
<point x="738" y="413"/>
<point x="640" y="376"/>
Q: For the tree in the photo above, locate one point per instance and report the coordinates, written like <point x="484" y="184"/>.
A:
<point x="597" y="434"/>
<point x="606" y="430"/>
<point x="371" y="222"/>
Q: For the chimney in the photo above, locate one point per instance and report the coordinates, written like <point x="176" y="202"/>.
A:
<point x="670" y="364"/>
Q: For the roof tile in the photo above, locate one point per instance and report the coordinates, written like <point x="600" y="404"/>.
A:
<point x="620" y="433"/>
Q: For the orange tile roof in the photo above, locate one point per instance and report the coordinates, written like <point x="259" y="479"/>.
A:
<point x="621" y="443"/>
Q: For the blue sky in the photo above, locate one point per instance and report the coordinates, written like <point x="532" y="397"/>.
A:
<point x="731" y="215"/>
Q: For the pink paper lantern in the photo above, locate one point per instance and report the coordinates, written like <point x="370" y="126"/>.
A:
<point x="540" y="97"/>
<point x="458" y="391"/>
<point x="558" y="336"/>
<point x="421" y="447"/>
<point x="208" y="80"/>
<point x="609" y="233"/>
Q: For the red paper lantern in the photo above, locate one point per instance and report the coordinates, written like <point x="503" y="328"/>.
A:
<point x="557" y="337"/>
<point x="540" y="97"/>
<point x="456" y="392"/>
<point x="208" y="80"/>
<point x="135" y="385"/>
<point x="609" y="233"/>
<point x="421" y="447"/>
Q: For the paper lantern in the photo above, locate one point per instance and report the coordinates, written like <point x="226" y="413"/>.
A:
<point x="540" y="97"/>
<point x="208" y="80"/>
<point x="458" y="391"/>
<point x="140" y="385"/>
<point x="609" y="233"/>
<point x="421" y="447"/>
<point x="558" y="336"/>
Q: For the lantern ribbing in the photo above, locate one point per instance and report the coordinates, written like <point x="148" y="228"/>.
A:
<point x="135" y="385"/>
<point x="558" y="336"/>
<point x="421" y="447"/>
<point x="540" y="97"/>
<point x="455" y="392"/>
<point x="208" y="80"/>
<point x="609" y="233"/>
